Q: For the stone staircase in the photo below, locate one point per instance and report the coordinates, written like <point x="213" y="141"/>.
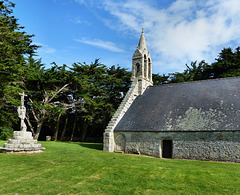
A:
<point x="125" y="104"/>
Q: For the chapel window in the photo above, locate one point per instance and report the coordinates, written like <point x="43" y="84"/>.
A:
<point x="137" y="70"/>
<point x="145" y="66"/>
<point x="149" y="68"/>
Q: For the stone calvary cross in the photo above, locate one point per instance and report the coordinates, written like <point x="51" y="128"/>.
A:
<point x="22" y="113"/>
<point x="22" y="141"/>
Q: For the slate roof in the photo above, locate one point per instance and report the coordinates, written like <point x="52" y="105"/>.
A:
<point x="210" y="105"/>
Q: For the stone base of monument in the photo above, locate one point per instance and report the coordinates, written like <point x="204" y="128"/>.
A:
<point x="22" y="143"/>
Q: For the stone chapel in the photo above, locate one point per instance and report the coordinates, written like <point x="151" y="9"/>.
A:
<point x="194" y="120"/>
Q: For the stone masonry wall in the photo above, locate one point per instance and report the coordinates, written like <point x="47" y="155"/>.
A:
<point x="216" y="146"/>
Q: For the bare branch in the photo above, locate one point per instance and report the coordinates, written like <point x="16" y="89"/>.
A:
<point x="34" y="114"/>
<point x="57" y="92"/>
<point x="29" y="124"/>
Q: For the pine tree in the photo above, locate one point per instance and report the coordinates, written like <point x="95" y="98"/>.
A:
<point x="15" y="45"/>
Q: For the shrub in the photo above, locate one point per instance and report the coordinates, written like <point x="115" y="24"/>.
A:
<point x="5" y="133"/>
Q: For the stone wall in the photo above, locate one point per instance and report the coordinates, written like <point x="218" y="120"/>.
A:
<point x="216" y="146"/>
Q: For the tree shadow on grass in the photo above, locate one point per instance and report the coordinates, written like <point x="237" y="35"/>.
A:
<point x="95" y="146"/>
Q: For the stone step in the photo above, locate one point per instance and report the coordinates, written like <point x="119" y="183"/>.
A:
<point x="14" y="141"/>
<point x="22" y="142"/>
<point x="11" y="146"/>
<point x="23" y="150"/>
<point x="123" y="106"/>
<point x="111" y="124"/>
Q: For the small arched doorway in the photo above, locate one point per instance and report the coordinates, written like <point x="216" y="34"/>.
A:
<point x="120" y="142"/>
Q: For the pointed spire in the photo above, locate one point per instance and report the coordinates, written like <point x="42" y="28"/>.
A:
<point x="142" y="43"/>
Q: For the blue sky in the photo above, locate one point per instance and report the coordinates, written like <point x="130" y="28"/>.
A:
<point x="176" y="31"/>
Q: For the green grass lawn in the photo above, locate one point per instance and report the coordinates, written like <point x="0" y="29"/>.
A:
<point x="83" y="168"/>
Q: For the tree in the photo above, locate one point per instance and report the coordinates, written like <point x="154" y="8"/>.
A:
<point x="159" y="80"/>
<point x="98" y="90"/>
<point x="118" y="84"/>
<point x="15" y="45"/>
<point x="193" y="72"/>
<point x="89" y="88"/>
<point x="47" y="91"/>
<point x="227" y="64"/>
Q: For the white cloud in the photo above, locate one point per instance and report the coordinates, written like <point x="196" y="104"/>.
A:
<point x="86" y="2"/>
<point x="45" y="48"/>
<point x="102" y="44"/>
<point x="80" y="1"/>
<point x="186" y="31"/>
<point x="78" y="20"/>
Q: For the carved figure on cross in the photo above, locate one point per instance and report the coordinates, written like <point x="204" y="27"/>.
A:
<point x="22" y="112"/>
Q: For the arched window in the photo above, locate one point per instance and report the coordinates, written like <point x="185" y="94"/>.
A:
<point x="137" y="73"/>
<point x="149" y="69"/>
<point x="145" y="66"/>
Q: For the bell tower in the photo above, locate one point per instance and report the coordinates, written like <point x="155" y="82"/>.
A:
<point x="142" y="66"/>
<point x="141" y="79"/>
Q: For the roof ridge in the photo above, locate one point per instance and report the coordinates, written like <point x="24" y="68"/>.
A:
<point x="217" y="79"/>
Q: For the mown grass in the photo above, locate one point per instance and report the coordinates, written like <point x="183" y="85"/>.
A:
<point x="83" y="168"/>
